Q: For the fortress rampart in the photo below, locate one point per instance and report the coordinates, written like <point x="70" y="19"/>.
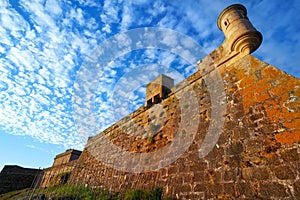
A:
<point x="256" y="154"/>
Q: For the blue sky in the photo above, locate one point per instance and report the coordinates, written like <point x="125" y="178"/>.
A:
<point x="44" y="43"/>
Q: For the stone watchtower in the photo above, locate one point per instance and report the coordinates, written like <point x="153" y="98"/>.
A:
<point x="238" y="30"/>
<point x="158" y="89"/>
<point x="66" y="157"/>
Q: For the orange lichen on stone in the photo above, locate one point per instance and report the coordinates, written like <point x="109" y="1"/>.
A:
<point x="271" y="72"/>
<point x="295" y="123"/>
<point x="261" y="87"/>
<point x="277" y="91"/>
<point x="288" y="137"/>
<point x="247" y="81"/>
<point x="261" y="97"/>
<point x="288" y="83"/>
<point x="273" y="114"/>
<point x="248" y="100"/>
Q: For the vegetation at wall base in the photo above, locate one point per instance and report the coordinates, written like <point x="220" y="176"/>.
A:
<point x="72" y="192"/>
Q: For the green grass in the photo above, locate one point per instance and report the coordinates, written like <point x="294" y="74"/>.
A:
<point x="86" y="193"/>
<point x="14" y="194"/>
<point x="143" y="194"/>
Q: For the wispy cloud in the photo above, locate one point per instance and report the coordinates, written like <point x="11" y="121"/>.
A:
<point x="38" y="69"/>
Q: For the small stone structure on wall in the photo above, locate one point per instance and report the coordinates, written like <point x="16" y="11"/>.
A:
<point x="158" y="89"/>
<point x="256" y="153"/>
<point x="66" y="157"/>
<point x="61" y="169"/>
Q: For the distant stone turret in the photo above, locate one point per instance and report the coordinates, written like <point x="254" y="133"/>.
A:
<point x="66" y="157"/>
<point x="238" y="30"/>
<point x="158" y="89"/>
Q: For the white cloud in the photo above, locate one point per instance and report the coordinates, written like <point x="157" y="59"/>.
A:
<point x="77" y="14"/>
<point x="127" y="17"/>
<point x="90" y="3"/>
<point x="38" y="97"/>
<point x="110" y="12"/>
<point x="106" y="28"/>
<point x="53" y="7"/>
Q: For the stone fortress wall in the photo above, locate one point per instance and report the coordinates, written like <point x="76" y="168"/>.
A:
<point x="13" y="177"/>
<point x="256" y="154"/>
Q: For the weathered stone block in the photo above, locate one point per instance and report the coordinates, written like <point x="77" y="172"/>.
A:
<point x="255" y="173"/>
<point x="284" y="173"/>
<point x="297" y="189"/>
<point x="272" y="189"/>
<point x="247" y="190"/>
<point x="290" y="155"/>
